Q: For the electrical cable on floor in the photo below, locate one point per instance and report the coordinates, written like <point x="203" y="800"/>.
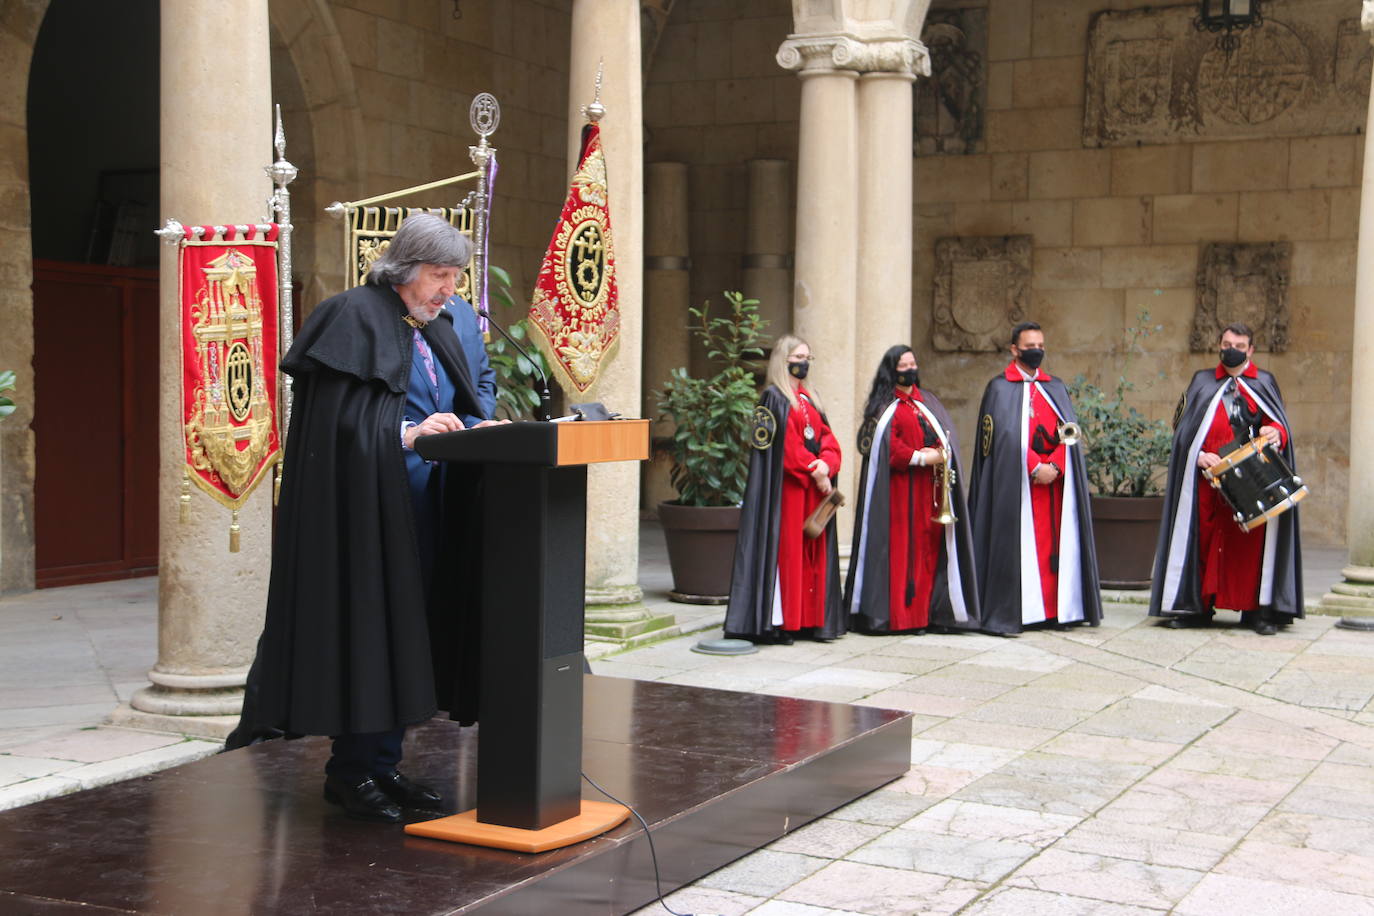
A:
<point x="658" y="886"/>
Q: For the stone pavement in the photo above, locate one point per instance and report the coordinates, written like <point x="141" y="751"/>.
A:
<point x="1119" y="770"/>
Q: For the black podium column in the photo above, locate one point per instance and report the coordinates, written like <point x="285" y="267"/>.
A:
<point x="534" y="566"/>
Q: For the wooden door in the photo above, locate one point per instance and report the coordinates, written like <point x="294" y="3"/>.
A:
<point x="95" y="422"/>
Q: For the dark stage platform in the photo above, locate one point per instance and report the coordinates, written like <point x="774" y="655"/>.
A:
<point x="716" y="774"/>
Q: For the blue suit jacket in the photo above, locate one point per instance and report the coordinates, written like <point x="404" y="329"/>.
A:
<point x="475" y="349"/>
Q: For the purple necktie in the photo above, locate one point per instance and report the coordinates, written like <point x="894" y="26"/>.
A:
<point x="429" y="364"/>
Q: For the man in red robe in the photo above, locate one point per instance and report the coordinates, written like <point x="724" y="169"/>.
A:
<point x="1032" y="531"/>
<point x="1205" y="560"/>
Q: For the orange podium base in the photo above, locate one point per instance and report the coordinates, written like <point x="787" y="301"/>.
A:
<point x="596" y="818"/>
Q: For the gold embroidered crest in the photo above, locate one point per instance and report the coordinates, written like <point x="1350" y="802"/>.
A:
<point x="765" y="428"/>
<point x="866" y="433"/>
<point x="985" y="431"/>
<point x="1182" y="406"/>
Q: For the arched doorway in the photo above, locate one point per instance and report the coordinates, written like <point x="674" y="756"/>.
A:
<point x="93" y="176"/>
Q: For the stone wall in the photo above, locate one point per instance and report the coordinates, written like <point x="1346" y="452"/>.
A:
<point x="714" y="98"/>
<point x="19" y="22"/>
<point x="1120" y="228"/>
<point x="384" y="90"/>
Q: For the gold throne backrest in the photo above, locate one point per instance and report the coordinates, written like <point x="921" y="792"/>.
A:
<point x="370" y="230"/>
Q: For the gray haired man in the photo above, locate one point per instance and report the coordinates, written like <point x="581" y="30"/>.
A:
<point x="362" y="638"/>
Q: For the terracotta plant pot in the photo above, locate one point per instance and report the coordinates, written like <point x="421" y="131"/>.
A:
<point x="701" y="550"/>
<point x="1125" y="529"/>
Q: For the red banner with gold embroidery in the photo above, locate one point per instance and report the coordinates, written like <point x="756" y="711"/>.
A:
<point x="575" y="313"/>
<point x="229" y="361"/>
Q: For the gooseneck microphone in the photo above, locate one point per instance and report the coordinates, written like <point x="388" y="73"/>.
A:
<point x="545" y="401"/>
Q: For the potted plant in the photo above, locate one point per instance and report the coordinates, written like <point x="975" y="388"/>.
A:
<point x="709" y="450"/>
<point x="7" y="406"/>
<point x="516" y="376"/>
<point x="1125" y="454"/>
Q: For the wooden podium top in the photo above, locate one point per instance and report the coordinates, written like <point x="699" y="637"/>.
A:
<point x="548" y="444"/>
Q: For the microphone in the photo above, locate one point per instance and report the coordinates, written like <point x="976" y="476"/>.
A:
<point x="545" y="401"/>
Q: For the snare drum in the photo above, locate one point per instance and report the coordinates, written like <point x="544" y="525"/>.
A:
<point x="1257" y="482"/>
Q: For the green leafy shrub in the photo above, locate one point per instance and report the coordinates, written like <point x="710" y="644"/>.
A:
<point x="7" y="406"/>
<point x="1125" y="451"/>
<point x="516" y="377"/>
<point x="713" y="416"/>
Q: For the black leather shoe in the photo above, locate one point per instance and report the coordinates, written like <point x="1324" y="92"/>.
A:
<point x="1187" y="621"/>
<point x="407" y="793"/>
<point x="1265" y="628"/>
<point x="364" y="800"/>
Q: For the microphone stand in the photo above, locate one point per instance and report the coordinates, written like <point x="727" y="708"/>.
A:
<point x="545" y="401"/>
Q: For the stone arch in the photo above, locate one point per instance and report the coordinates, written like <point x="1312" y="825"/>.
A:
<point x="310" y="37"/>
<point x="19" y="22"/>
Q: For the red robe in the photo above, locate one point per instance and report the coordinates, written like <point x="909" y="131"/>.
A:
<point x="1231" y="557"/>
<point x="802" y="561"/>
<point x="1047" y="501"/>
<point x="914" y="537"/>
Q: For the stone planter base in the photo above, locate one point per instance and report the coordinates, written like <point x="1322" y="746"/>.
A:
<point x="1125" y="529"/>
<point x="701" y="550"/>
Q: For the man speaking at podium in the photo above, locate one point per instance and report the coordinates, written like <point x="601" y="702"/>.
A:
<point x="362" y="637"/>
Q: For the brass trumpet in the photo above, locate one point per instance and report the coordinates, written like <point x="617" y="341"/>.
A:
<point x="944" y="493"/>
<point x="1069" y="433"/>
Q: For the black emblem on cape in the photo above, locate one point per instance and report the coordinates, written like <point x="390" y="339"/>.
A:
<point x="765" y="428"/>
<point x="866" y="435"/>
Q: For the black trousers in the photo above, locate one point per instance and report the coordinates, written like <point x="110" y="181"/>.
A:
<point x="363" y="754"/>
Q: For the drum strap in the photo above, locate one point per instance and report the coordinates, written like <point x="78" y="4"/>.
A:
<point x="1242" y="418"/>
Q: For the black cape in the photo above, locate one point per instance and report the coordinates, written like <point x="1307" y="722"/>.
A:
<point x="755" y="574"/>
<point x="1177" y="586"/>
<point x="352" y="642"/>
<point x="998" y="485"/>
<point x="866" y="596"/>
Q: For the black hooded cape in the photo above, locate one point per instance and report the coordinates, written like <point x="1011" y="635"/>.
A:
<point x="755" y="575"/>
<point x="352" y="643"/>
<point x="870" y="608"/>
<point x="999" y="484"/>
<point x="1177" y="583"/>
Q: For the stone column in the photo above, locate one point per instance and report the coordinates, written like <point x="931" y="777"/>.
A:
<point x="216" y="140"/>
<point x="825" y="274"/>
<point x="608" y="31"/>
<point x="667" y="296"/>
<point x="768" y="243"/>
<point x="19" y="25"/>
<point x="885" y="232"/>
<point x="1353" y="598"/>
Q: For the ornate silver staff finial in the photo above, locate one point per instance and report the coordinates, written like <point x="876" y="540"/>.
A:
<point x="171" y="232"/>
<point x="595" y="111"/>
<point x="281" y="172"/>
<point x="484" y="115"/>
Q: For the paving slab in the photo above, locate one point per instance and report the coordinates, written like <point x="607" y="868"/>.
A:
<point x="1120" y="770"/>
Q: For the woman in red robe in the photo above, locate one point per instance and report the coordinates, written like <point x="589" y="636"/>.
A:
<point x="904" y="557"/>
<point x="785" y="583"/>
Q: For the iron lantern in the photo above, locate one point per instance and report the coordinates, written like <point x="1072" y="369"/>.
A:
<point x="1225" y="18"/>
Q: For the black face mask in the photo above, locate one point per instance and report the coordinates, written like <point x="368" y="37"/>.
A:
<point x="1032" y="358"/>
<point x="1231" y="357"/>
<point x="908" y="377"/>
<point x="798" y="370"/>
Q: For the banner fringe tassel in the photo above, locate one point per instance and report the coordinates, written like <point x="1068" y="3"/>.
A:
<point x="185" y="498"/>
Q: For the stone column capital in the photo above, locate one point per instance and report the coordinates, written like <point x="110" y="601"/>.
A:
<point x="845" y="52"/>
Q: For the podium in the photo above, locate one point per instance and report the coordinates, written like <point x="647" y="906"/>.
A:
<point x="529" y="752"/>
